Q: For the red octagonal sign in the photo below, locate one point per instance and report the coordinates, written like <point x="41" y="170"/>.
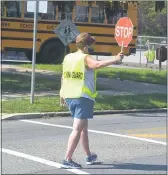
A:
<point x="124" y="31"/>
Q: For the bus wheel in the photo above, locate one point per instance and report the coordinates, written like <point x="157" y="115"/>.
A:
<point x="29" y="56"/>
<point x="53" y="52"/>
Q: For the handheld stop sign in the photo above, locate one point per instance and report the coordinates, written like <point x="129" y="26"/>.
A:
<point x="124" y="32"/>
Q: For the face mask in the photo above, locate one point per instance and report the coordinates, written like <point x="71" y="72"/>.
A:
<point x="90" y="50"/>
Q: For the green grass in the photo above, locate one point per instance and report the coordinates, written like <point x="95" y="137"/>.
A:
<point x="49" y="67"/>
<point x="51" y="104"/>
<point x="141" y="75"/>
<point x="21" y="83"/>
<point x="139" y="101"/>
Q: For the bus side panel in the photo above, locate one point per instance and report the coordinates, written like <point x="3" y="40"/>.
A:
<point x="7" y="44"/>
<point x="133" y="13"/>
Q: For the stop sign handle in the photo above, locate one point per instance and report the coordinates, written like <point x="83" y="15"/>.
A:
<point x="122" y="46"/>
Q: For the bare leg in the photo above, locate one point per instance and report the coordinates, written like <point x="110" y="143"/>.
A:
<point x="84" y="140"/>
<point x="73" y="141"/>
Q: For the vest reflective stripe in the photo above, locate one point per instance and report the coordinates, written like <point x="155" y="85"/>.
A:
<point x="73" y="84"/>
<point x="87" y="91"/>
<point x="95" y="79"/>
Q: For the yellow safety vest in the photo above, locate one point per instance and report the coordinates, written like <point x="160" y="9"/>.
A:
<point x="74" y="84"/>
<point x="150" y="55"/>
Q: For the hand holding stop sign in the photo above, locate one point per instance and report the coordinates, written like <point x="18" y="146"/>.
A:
<point x="123" y="32"/>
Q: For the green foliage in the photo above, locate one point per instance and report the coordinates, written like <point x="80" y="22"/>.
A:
<point x="103" y="102"/>
<point x="22" y="83"/>
<point x="46" y="67"/>
<point x="142" y="75"/>
<point x="150" y="22"/>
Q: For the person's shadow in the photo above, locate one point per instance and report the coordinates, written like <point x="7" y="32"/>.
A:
<point x="128" y="166"/>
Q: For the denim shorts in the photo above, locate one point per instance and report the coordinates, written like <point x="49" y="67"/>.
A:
<point x="81" y="108"/>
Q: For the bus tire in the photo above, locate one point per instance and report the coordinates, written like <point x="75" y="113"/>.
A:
<point x="29" y="56"/>
<point x="52" y="52"/>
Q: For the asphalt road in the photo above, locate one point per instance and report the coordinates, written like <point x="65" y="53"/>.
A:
<point x="125" y="143"/>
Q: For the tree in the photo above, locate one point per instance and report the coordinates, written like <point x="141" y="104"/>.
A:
<point x="150" y="21"/>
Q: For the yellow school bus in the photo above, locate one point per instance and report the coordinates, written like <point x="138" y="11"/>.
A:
<point x="17" y="29"/>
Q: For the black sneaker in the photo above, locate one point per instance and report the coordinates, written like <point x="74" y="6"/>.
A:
<point x="91" y="159"/>
<point x="70" y="164"/>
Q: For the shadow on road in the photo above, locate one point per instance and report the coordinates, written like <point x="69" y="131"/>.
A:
<point x="130" y="166"/>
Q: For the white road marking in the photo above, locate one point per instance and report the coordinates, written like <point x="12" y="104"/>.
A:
<point x="40" y="160"/>
<point x="99" y="132"/>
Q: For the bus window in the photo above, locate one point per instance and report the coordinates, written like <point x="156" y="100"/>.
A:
<point x="50" y="15"/>
<point x="81" y="14"/>
<point x="65" y="14"/>
<point x="13" y="9"/>
<point x="51" y="12"/>
<point x="124" y="13"/>
<point x="28" y="14"/>
<point x="2" y="11"/>
<point x="112" y="19"/>
<point x="97" y="15"/>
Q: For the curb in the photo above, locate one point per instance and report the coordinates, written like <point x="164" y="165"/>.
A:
<point x="19" y="116"/>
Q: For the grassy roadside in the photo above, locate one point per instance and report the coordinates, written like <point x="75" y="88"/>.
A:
<point x="21" y="83"/>
<point x="50" y="67"/>
<point x="103" y="102"/>
<point x="141" y="75"/>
